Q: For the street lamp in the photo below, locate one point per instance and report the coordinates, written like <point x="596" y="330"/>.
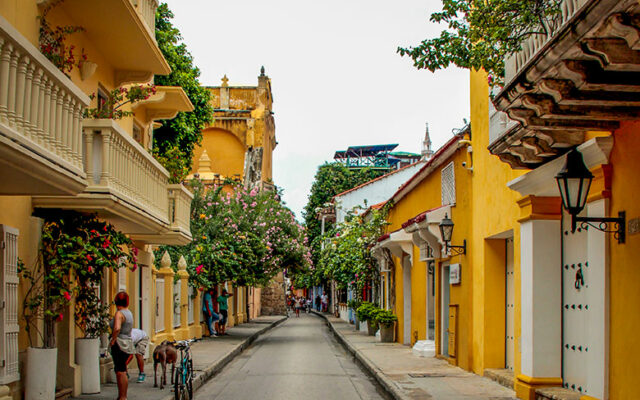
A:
<point x="574" y="181"/>
<point x="446" y="231"/>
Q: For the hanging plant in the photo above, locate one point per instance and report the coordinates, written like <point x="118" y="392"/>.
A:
<point x="53" y="44"/>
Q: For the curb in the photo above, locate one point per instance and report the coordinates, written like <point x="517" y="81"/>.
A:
<point x="390" y="387"/>
<point x="213" y="369"/>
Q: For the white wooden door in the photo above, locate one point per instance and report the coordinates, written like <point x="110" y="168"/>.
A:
<point x="9" y="282"/>
<point x="444" y="311"/>
<point x="584" y="307"/>
<point x="146" y="298"/>
<point x="159" y="305"/>
<point x="406" y="288"/>
<point x="510" y="305"/>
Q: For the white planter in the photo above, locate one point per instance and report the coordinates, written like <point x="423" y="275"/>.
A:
<point x="40" y="379"/>
<point x="88" y="358"/>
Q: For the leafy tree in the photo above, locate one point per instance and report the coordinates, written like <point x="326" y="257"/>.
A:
<point x="174" y="141"/>
<point x="330" y="180"/>
<point x="481" y="33"/>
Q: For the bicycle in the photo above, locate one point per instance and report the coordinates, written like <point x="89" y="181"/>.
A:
<point x="183" y="378"/>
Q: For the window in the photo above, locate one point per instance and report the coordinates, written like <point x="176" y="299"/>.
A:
<point x="9" y="328"/>
<point x="448" y="185"/>
<point x="137" y="134"/>
<point x="103" y="100"/>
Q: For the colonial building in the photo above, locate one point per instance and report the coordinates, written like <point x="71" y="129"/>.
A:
<point x="238" y="145"/>
<point x="52" y="158"/>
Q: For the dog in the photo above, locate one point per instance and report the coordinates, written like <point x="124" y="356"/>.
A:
<point x="164" y="354"/>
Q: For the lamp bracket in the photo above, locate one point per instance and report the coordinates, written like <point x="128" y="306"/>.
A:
<point x="457" y="250"/>
<point x="602" y="224"/>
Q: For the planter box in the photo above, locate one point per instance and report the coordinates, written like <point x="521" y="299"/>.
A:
<point x="372" y="328"/>
<point x="387" y="333"/>
<point x="88" y="358"/>
<point x="40" y="375"/>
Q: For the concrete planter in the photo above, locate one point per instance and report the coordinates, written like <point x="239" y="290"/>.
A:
<point x="386" y="333"/>
<point x="88" y="358"/>
<point x="372" y="328"/>
<point x="40" y="374"/>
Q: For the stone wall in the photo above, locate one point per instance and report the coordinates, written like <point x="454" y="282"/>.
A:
<point x="273" y="297"/>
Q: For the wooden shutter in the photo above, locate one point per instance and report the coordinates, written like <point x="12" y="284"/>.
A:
<point x="448" y="185"/>
<point x="9" y="328"/>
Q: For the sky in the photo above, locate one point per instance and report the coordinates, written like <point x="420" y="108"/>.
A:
<point x="336" y="78"/>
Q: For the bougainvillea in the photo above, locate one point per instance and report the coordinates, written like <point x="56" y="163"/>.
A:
<point x="53" y="42"/>
<point x="239" y="236"/>
<point x="111" y="107"/>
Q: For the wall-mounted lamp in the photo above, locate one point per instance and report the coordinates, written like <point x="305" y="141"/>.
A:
<point x="574" y="181"/>
<point x="446" y="231"/>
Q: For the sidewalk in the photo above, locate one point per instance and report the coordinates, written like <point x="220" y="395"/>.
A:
<point x="406" y="376"/>
<point x="209" y="357"/>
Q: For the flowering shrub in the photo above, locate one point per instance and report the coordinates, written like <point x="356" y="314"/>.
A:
<point x="75" y="251"/>
<point x="245" y="237"/>
<point x="346" y="256"/>
<point x="52" y="42"/>
<point x="111" y="108"/>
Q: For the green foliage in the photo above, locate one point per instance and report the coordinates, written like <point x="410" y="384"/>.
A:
<point x="118" y="97"/>
<point x="353" y="304"/>
<point x="176" y="138"/>
<point x="385" y="317"/>
<point x="75" y="252"/>
<point x="52" y="42"/>
<point x="481" y="33"/>
<point x="366" y="311"/>
<point x="242" y="237"/>
<point x="346" y="257"/>
<point x="331" y="179"/>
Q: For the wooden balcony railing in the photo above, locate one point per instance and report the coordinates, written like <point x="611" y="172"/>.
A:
<point x="117" y="164"/>
<point x="533" y="44"/>
<point x="40" y="108"/>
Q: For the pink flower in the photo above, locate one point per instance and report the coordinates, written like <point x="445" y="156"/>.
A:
<point x="60" y="317"/>
<point x="199" y="269"/>
<point x="67" y="296"/>
<point x="90" y="268"/>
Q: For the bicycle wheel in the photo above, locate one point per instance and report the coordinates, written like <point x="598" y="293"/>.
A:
<point x="179" y="390"/>
<point x="190" y="378"/>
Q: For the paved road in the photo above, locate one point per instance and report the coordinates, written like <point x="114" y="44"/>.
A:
<point x="300" y="359"/>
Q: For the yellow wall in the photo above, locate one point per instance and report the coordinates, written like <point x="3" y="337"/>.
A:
<point x="625" y="274"/>
<point x="225" y="151"/>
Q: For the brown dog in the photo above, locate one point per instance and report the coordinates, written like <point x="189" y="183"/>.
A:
<point x="164" y="354"/>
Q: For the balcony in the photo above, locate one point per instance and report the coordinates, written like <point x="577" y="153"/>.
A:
<point x="582" y="77"/>
<point x="127" y="187"/>
<point x="40" y="122"/>
<point x="123" y="31"/>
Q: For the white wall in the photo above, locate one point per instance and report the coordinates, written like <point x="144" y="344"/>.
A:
<point x="375" y="192"/>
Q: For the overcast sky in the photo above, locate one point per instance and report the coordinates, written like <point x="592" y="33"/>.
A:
<point x="336" y="77"/>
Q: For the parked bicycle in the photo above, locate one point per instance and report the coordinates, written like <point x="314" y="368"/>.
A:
<point x="183" y="378"/>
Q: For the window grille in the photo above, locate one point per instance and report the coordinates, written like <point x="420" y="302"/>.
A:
<point x="448" y="185"/>
<point x="176" y="304"/>
<point x="9" y="328"/>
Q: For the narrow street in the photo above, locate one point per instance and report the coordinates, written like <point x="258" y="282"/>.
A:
<point x="298" y="359"/>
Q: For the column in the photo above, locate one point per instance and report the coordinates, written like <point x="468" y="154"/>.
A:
<point x="167" y="274"/>
<point x="541" y="295"/>
<point x="196" y="328"/>
<point x="183" y="332"/>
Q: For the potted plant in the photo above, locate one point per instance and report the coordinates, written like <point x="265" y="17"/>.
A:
<point x="354" y="304"/>
<point x="386" y="320"/>
<point x="366" y="312"/>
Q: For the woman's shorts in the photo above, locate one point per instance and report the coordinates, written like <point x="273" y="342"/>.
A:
<point x="141" y="346"/>
<point x="120" y="358"/>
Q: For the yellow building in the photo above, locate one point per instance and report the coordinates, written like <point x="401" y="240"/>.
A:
<point x="238" y="145"/>
<point x="52" y="158"/>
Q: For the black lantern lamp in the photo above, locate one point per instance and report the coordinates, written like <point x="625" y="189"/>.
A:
<point x="446" y="231"/>
<point x="574" y="181"/>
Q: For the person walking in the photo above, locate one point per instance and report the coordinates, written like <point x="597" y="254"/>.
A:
<point x="297" y="305"/>
<point x="140" y="342"/>
<point x="223" y="305"/>
<point x="121" y="343"/>
<point x="209" y="311"/>
<point x="318" y="302"/>
<point x="325" y="302"/>
<point x="308" y="305"/>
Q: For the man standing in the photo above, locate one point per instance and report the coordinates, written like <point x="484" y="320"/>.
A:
<point x="318" y="302"/>
<point x="140" y="342"/>
<point x="209" y="311"/>
<point x="324" y="300"/>
<point x="223" y="305"/>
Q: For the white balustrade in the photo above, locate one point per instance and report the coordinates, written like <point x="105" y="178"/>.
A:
<point x="533" y="44"/>
<point x="115" y="163"/>
<point x="180" y="208"/>
<point x="147" y="10"/>
<point x="39" y="105"/>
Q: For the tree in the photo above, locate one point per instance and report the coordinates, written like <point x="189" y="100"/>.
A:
<point x="174" y="141"/>
<point x="331" y="179"/>
<point x="482" y="33"/>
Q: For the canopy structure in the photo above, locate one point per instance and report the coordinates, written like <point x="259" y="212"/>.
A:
<point x="372" y="156"/>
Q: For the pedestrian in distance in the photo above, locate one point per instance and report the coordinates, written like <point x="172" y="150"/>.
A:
<point x="308" y="305"/>
<point x="140" y="342"/>
<point x="223" y="305"/>
<point x="297" y="305"/>
<point x="121" y="343"/>
<point x="209" y="312"/>
<point x="325" y="302"/>
<point x="318" y="302"/>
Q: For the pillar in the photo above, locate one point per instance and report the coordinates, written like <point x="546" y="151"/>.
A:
<point x="541" y="295"/>
<point x="167" y="274"/>
<point x="196" y="328"/>
<point x="154" y="299"/>
<point x="183" y="332"/>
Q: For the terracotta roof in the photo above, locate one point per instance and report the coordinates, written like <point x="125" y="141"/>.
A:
<point x="375" y="179"/>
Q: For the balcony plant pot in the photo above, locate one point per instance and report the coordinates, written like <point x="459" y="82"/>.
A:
<point x="88" y="358"/>
<point x="386" y="333"/>
<point x="40" y="374"/>
<point x="372" y="328"/>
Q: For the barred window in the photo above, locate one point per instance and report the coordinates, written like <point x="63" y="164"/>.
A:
<point x="448" y="185"/>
